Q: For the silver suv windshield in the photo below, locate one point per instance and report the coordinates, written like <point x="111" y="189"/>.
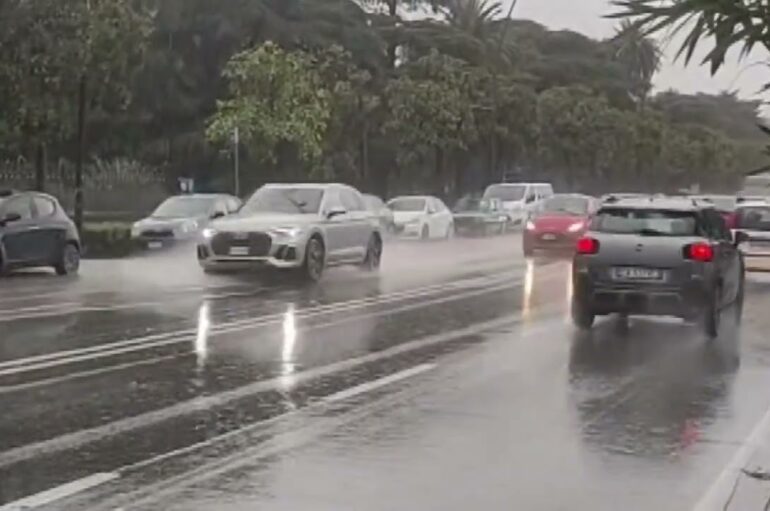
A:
<point x="299" y="200"/>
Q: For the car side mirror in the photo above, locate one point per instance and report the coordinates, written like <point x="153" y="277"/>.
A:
<point x="217" y="214"/>
<point x="740" y="237"/>
<point x="335" y="211"/>
<point x="10" y="217"/>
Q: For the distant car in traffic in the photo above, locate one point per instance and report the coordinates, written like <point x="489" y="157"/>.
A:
<point x="724" y="204"/>
<point x="422" y="217"/>
<point x="673" y="257"/>
<point x="520" y="200"/>
<point x="480" y="217"/>
<point x="181" y="218"/>
<point x="563" y="219"/>
<point x="35" y="231"/>
<point x="380" y="210"/>
<point x="302" y="227"/>
<point x="752" y="225"/>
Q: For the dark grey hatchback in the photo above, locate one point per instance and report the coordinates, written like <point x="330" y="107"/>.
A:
<point x="657" y="256"/>
<point x="35" y="231"/>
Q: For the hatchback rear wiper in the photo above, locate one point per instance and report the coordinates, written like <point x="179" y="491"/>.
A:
<point x="651" y="232"/>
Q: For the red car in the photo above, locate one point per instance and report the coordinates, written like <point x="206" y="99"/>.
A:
<point x="559" y="223"/>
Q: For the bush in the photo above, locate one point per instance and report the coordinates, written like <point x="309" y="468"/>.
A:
<point x="107" y="240"/>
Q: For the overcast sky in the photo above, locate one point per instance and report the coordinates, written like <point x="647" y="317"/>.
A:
<point x="586" y="16"/>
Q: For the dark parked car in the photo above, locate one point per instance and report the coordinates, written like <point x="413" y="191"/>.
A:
<point x="181" y="218"/>
<point x="657" y="256"/>
<point x="483" y="217"/>
<point x="35" y="231"/>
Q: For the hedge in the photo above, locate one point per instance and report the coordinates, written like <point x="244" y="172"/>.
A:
<point x="106" y="240"/>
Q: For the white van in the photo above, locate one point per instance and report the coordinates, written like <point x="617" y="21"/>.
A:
<point x="520" y="199"/>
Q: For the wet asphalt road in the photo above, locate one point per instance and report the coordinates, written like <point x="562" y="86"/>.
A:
<point x="450" y="380"/>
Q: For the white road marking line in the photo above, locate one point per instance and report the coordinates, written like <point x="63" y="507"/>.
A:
<point x="375" y="384"/>
<point x="718" y="492"/>
<point x="158" y="340"/>
<point x="60" y="492"/>
<point x="77" y="439"/>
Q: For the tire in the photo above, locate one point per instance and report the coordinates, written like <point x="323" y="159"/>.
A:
<point x="712" y="316"/>
<point x="315" y="260"/>
<point x="739" y="304"/>
<point x="425" y="233"/>
<point x="582" y="317"/>
<point x="69" y="262"/>
<point x="373" y="257"/>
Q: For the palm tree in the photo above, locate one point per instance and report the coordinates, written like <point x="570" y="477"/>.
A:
<point x="640" y="57"/>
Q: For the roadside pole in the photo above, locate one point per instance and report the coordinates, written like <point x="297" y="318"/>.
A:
<point x="237" y="163"/>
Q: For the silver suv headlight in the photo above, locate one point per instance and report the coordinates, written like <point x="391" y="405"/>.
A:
<point x="290" y="233"/>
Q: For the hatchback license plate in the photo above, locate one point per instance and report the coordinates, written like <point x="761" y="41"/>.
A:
<point x="549" y="237"/>
<point x="637" y="274"/>
<point x="239" y="251"/>
<point x="155" y="245"/>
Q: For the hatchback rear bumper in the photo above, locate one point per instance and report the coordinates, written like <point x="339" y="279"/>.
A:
<point x="681" y="301"/>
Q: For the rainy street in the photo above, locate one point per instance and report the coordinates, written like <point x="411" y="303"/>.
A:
<point x="451" y="380"/>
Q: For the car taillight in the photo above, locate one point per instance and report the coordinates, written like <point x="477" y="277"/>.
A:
<point x="587" y="245"/>
<point x="702" y="252"/>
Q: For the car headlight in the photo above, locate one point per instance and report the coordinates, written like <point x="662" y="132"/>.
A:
<point x="136" y="231"/>
<point x="286" y="232"/>
<point x="209" y="233"/>
<point x="530" y="225"/>
<point x="576" y="226"/>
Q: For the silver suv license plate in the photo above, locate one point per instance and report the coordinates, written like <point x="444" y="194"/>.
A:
<point x="637" y="274"/>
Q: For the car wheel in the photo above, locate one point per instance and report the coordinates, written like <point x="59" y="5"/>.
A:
<point x="373" y="254"/>
<point x="582" y="317"/>
<point x="69" y="263"/>
<point x="712" y="316"/>
<point x="425" y="233"/>
<point x="315" y="260"/>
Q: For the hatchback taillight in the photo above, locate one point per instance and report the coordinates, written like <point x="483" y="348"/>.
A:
<point x="702" y="252"/>
<point x="587" y="245"/>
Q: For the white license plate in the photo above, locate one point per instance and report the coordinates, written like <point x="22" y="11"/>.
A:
<point x="637" y="274"/>
<point x="239" y="251"/>
<point x="549" y="237"/>
<point x="155" y="245"/>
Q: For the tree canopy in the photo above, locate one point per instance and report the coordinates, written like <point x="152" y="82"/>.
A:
<point x="365" y="92"/>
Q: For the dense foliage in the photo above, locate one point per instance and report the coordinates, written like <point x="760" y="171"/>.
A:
<point x="365" y="92"/>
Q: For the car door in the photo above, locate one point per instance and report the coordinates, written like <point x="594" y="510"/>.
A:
<point x="18" y="237"/>
<point x="335" y="226"/>
<point x="50" y="235"/>
<point x="358" y="225"/>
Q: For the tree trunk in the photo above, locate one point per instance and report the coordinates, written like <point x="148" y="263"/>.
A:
<point x="81" y="149"/>
<point x="40" y="163"/>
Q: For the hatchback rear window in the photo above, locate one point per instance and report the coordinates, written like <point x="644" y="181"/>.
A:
<point x="645" y="222"/>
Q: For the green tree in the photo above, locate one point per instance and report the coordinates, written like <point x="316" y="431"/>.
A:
<point x="278" y="104"/>
<point x="639" y="56"/>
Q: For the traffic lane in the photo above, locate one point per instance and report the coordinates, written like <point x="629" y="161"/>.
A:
<point x="176" y="271"/>
<point x="36" y="466"/>
<point x="647" y="416"/>
<point x="144" y="302"/>
<point x="212" y="362"/>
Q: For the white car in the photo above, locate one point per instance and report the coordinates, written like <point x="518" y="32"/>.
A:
<point x="752" y="227"/>
<point x="422" y="217"/>
<point x="520" y="200"/>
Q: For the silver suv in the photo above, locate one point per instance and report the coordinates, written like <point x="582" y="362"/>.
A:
<point x="304" y="227"/>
